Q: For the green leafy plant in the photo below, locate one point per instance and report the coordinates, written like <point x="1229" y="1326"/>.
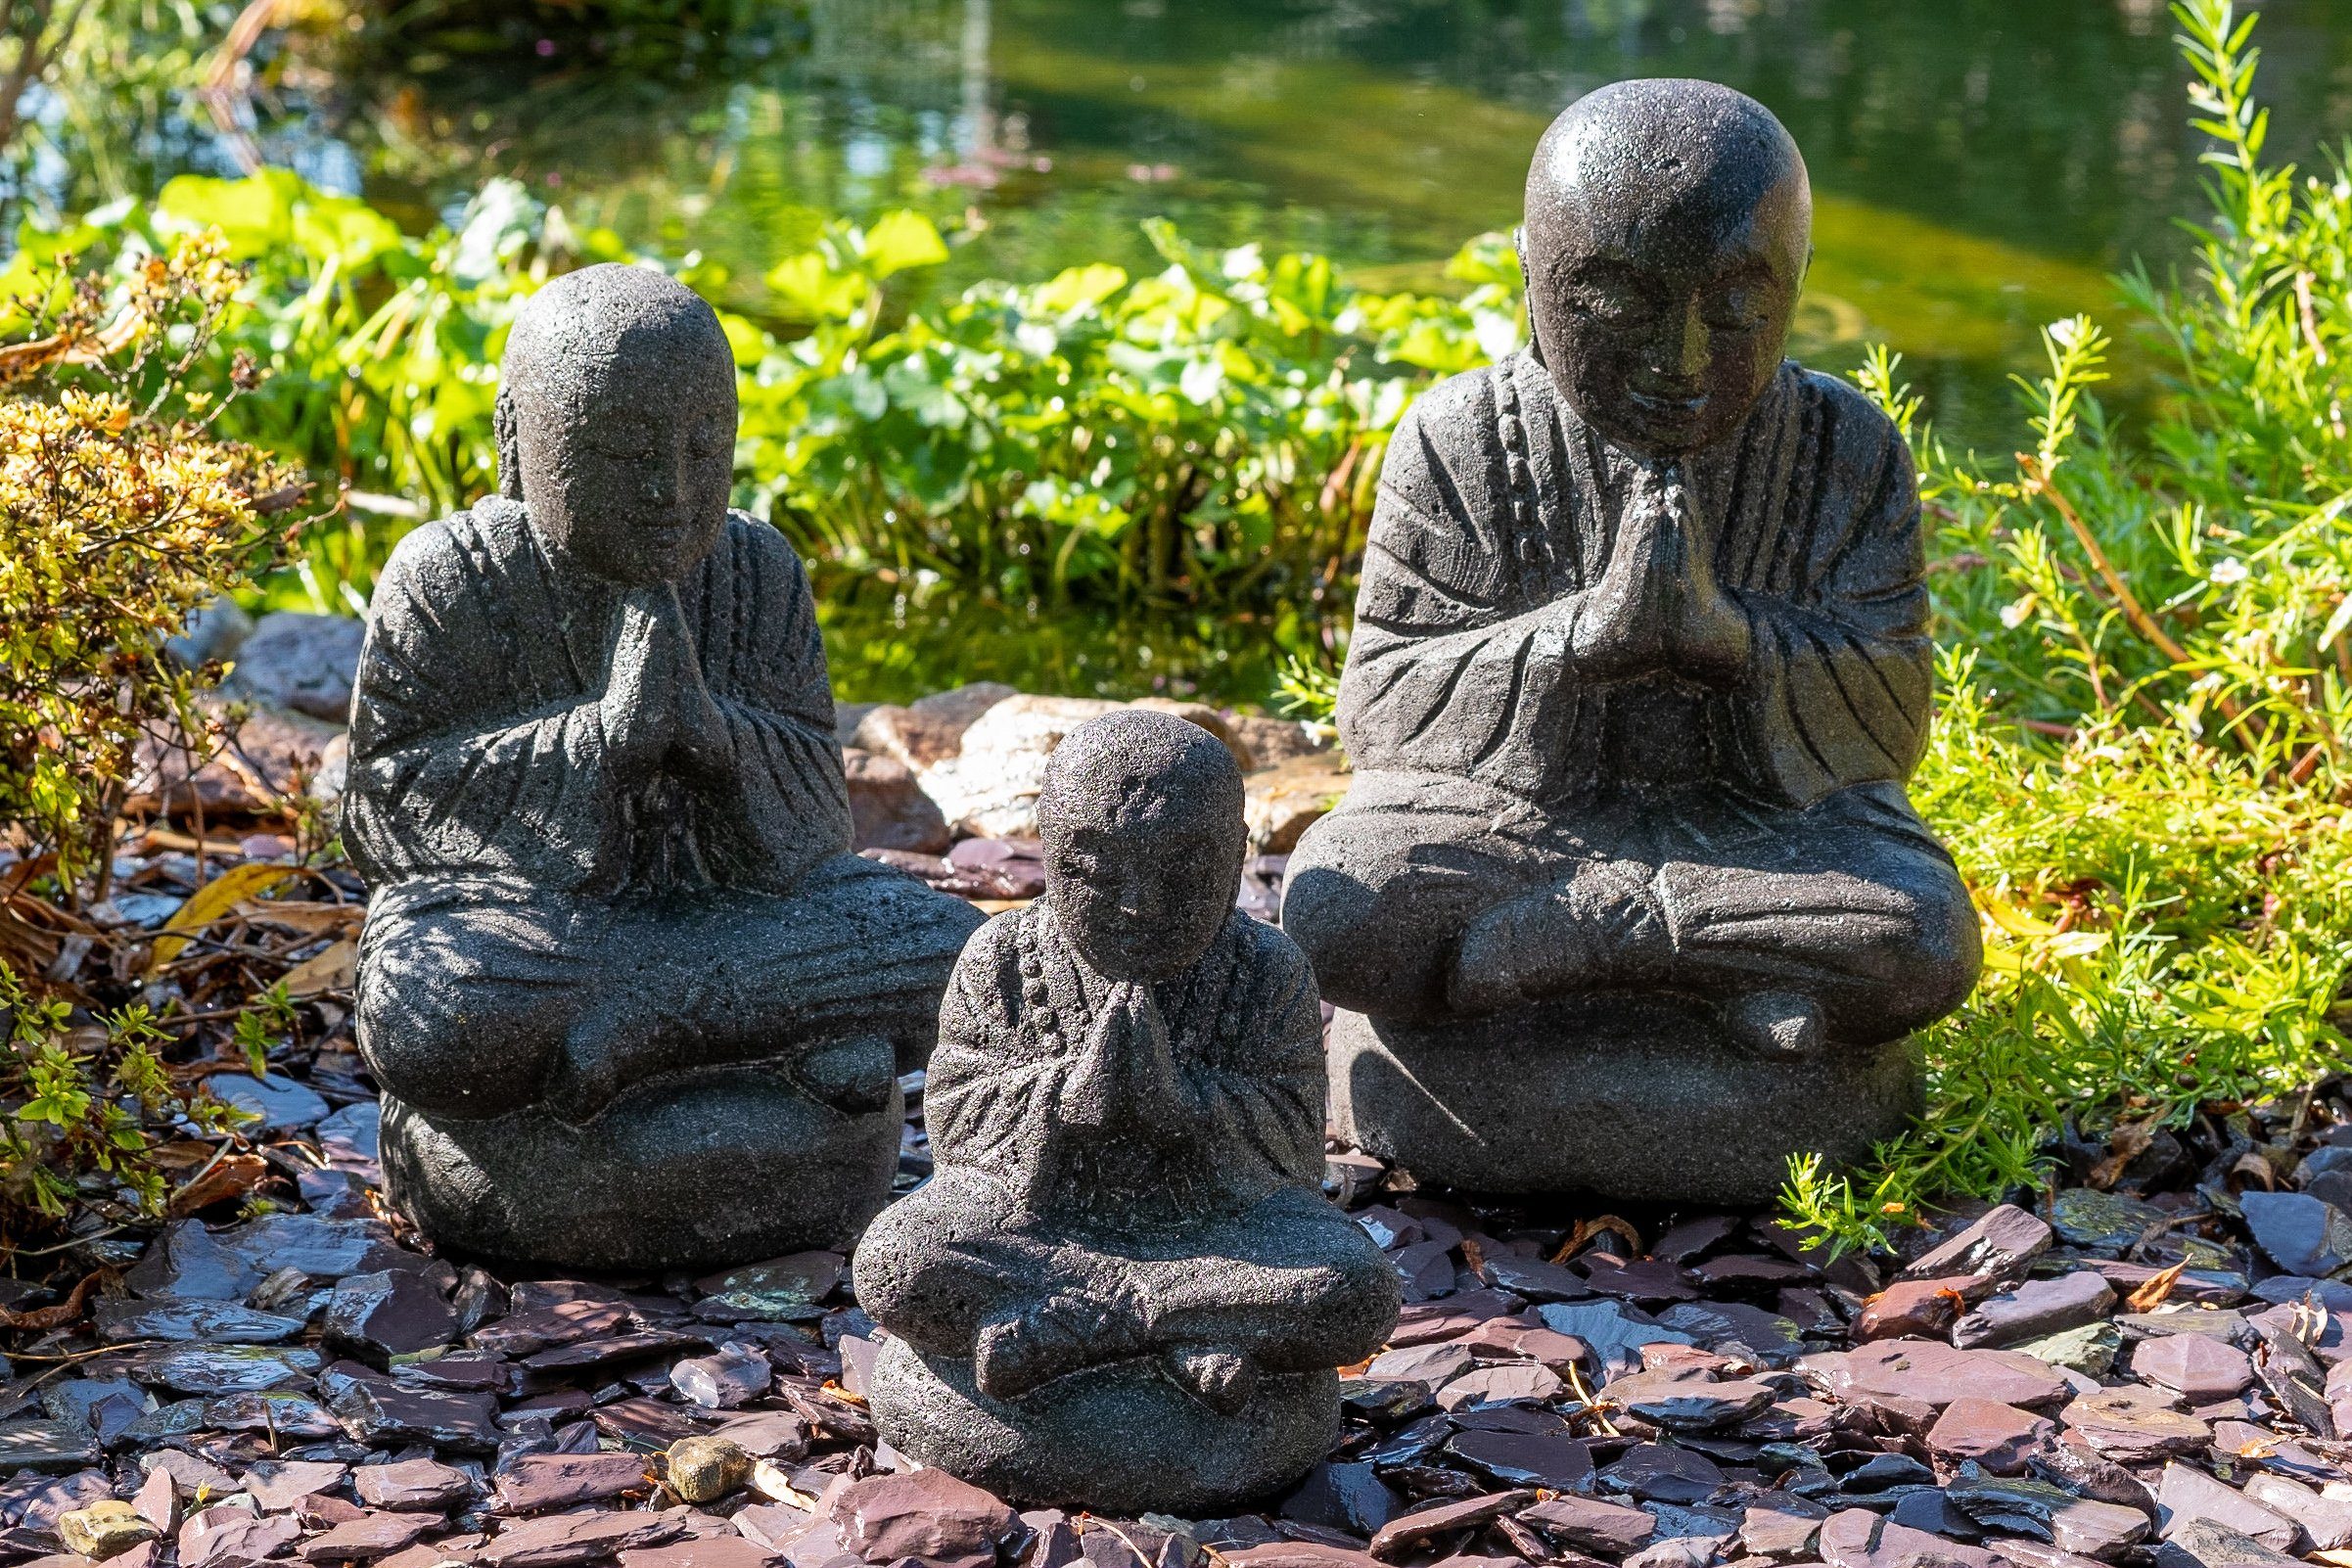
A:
<point x="121" y="512"/>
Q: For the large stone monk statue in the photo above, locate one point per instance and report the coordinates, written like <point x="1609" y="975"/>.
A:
<point x="632" y="1001"/>
<point x="1627" y="894"/>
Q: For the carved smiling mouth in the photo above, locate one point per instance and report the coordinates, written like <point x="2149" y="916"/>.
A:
<point x="1673" y="405"/>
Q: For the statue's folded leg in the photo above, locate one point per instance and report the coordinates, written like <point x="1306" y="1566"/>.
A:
<point x="1380" y="892"/>
<point x="467" y="992"/>
<point x="943" y="1262"/>
<point x="839" y="981"/>
<point x="1293" y="1284"/>
<point x="1848" y="905"/>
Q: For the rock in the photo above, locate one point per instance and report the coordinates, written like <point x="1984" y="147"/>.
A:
<point x="735" y="1375"/>
<point x="705" y="1469"/>
<point x="927" y="1515"/>
<point x="282" y="1104"/>
<point x="197" y="1368"/>
<point x="1995" y="1435"/>
<point x="104" y="1530"/>
<point x="2035" y="1310"/>
<point x="1685" y="1406"/>
<point x="2327" y="1522"/>
<point x="1283" y="802"/>
<point x="1997" y="1245"/>
<point x="2101" y="1222"/>
<point x="558" y="1540"/>
<point x="1734" y="1328"/>
<point x="930" y="731"/>
<point x="2300" y="1234"/>
<point x="1914" y="1309"/>
<point x="377" y="1411"/>
<point x="394" y="1313"/>
<point x="887" y="808"/>
<point x="1271" y="742"/>
<point x="2136" y="1425"/>
<point x="533" y="1483"/>
<point x="331" y="776"/>
<point x="370" y="1538"/>
<point x="305" y="662"/>
<point x="2204" y="1544"/>
<point x="120" y="1319"/>
<point x="1511" y="1382"/>
<point x="419" y="1486"/>
<point x="1592" y="1525"/>
<point x="1345" y="1496"/>
<point x="2089" y="1350"/>
<point x="1615" y="1333"/>
<point x="1781" y="1525"/>
<point x="214" y="630"/>
<point x="264" y="761"/>
<point x="1653" y="1472"/>
<point x="990" y="787"/>
<point x="2036" y="1508"/>
<point x="1399" y="1534"/>
<point x="1525" y="1458"/>
<point x="2199" y="1367"/>
<point x="1934" y="1376"/>
<point x="2186" y="1494"/>
<point x="1533" y="1278"/>
<point x="228" y="1537"/>
<point x="278" y="1487"/>
<point x="1860" y="1539"/>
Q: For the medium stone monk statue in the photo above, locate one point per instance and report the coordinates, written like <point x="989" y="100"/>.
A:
<point x="1123" y="1288"/>
<point x="1625" y="893"/>
<point x="632" y="1001"/>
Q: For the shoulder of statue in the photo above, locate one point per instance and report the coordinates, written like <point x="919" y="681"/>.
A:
<point x="1858" y="427"/>
<point x="1455" y="417"/>
<point x="430" y="562"/>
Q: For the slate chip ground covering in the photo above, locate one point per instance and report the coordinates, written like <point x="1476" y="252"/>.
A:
<point x="1665" y="1390"/>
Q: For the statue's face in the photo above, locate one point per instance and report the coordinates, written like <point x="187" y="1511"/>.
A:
<point x="628" y="473"/>
<point x="1663" y="326"/>
<point x="1141" y="900"/>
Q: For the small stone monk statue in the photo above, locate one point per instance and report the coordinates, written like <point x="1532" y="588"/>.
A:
<point x="1123" y="1289"/>
<point x="632" y="1001"/>
<point x="1627" y="894"/>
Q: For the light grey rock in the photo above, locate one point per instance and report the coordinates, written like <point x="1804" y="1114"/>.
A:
<point x="632" y="1003"/>
<point x="1638" y="674"/>
<point x="305" y="662"/>
<point x="1122" y="1288"/>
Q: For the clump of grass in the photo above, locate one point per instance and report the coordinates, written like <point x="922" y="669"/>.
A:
<point x="2139" y="761"/>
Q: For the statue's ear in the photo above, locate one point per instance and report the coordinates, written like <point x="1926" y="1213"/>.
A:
<point x="1527" y="295"/>
<point x="510" y="455"/>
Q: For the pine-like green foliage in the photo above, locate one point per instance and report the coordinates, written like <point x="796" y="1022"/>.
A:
<point x="2139" y="759"/>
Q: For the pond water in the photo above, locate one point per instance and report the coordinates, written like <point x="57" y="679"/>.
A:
<point x="1980" y="166"/>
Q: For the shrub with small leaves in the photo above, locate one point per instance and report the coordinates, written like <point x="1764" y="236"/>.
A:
<point x="119" y="513"/>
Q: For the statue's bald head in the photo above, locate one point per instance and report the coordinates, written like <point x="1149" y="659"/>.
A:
<point x="1140" y="813"/>
<point x="616" y="421"/>
<point x="1669" y="224"/>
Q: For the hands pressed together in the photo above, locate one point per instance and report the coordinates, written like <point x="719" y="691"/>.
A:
<point x="1657" y="609"/>
<point x="658" y="713"/>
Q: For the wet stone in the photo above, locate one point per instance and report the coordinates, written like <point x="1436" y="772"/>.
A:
<point x="2198" y="1367"/>
<point x="1502" y="1384"/>
<point x="1525" y="1458"/>
<point x="279" y="1412"/>
<point x="117" y="1319"/>
<point x="1860" y="1539"/>
<point x="1347" y="1496"/>
<point x="559" y="1540"/>
<point x="1736" y="1328"/>
<point x="282" y="1104"/>
<point x="2327" y="1522"/>
<point x="376" y="1316"/>
<point x="1652" y="1472"/>
<point x="109" y="1407"/>
<point x="1884" y="1472"/>
<point x="1684" y="1405"/>
<point x="2035" y="1310"/>
<point x="1433" y="1365"/>
<point x="377" y="1411"/>
<point x="1396" y="1538"/>
<point x="197" y="1368"/>
<point x="2089" y="1350"/>
<point x="280" y="1487"/>
<point x="1614" y="1332"/>
<point x="1996" y="1435"/>
<point x="1934" y="1376"/>
<point x="1534" y="1279"/>
<point x="2300" y="1234"/>
<point x="1920" y="1308"/>
<point x="227" y="1536"/>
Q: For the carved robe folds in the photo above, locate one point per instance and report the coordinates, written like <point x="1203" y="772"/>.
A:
<point x="1551" y="903"/>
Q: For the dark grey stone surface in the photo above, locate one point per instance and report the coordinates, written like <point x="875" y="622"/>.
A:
<point x="1625" y="893"/>
<point x="1122" y="1288"/>
<point x="632" y="1001"/>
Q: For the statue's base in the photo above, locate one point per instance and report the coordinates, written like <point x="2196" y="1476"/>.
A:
<point x="1120" y="1440"/>
<point x="1626" y="1097"/>
<point x="698" y="1171"/>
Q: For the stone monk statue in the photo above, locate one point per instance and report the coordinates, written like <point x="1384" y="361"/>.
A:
<point x="632" y="1001"/>
<point x="1627" y="894"/>
<point x="1123" y="1288"/>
